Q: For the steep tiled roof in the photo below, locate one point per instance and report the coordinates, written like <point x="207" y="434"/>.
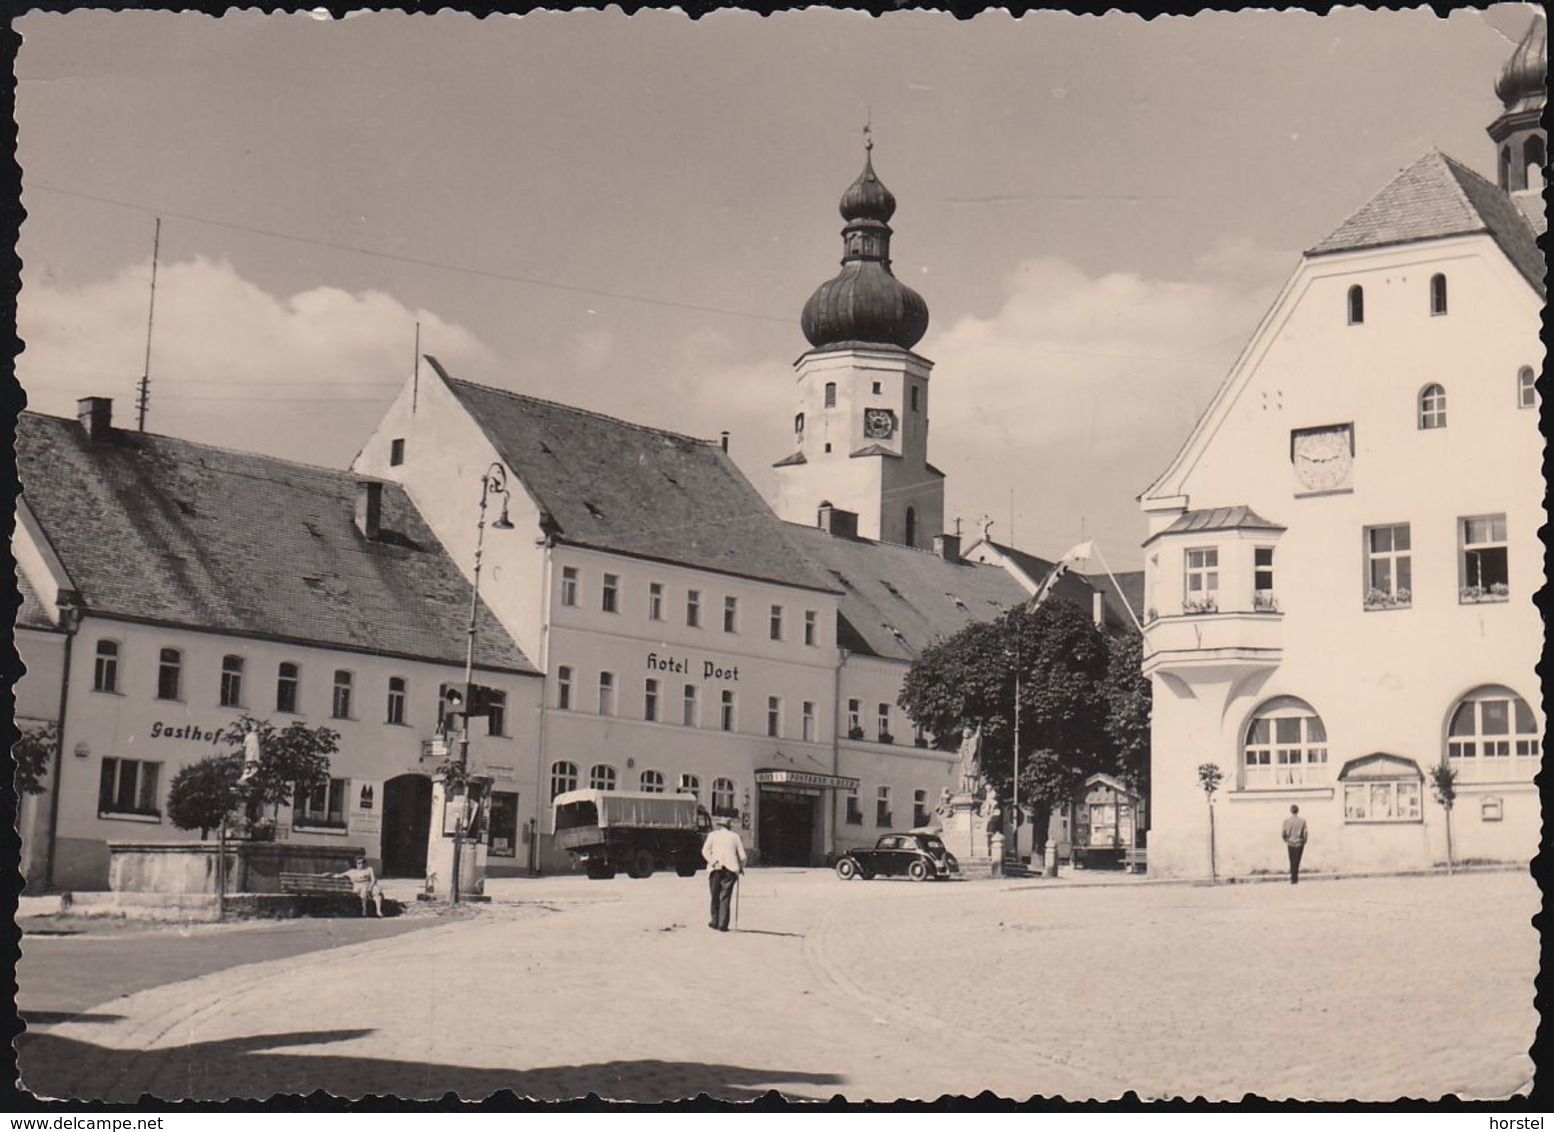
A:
<point x="156" y="528"/>
<point x="32" y="614"/>
<point x="1433" y="198"/>
<point x="611" y="485"/>
<point x="1131" y="583"/>
<point x="1077" y="588"/>
<point x="1530" y="205"/>
<point x="897" y="601"/>
<point x="1237" y="518"/>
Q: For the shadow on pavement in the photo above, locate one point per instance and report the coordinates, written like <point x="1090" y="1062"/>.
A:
<point x="55" y="1017"/>
<point x="53" y="1066"/>
<point x="760" y="931"/>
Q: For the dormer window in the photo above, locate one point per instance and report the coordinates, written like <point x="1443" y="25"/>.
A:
<point x="1356" y="305"/>
<point x="1432" y="407"/>
<point x="1437" y="294"/>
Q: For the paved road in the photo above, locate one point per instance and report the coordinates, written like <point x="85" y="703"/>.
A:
<point x="877" y="990"/>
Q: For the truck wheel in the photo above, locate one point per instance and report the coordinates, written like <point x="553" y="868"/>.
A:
<point x="847" y="868"/>
<point x="641" y="864"/>
<point x="917" y="870"/>
<point x="600" y="871"/>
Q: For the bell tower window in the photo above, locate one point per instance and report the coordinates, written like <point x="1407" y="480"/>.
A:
<point x="830" y="394"/>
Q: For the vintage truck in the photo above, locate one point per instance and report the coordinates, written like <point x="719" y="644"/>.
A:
<point x="610" y="831"/>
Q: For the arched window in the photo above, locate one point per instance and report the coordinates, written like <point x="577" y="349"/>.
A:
<point x="601" y="777"/>
<point x="169" y="675"/>
<point x="1532" y="161"/>
<point x="690" y="784"/>
<point x="1492" y="734"/>
<point x="1356" y="305"/>
<point x="1432" y="407"/>
<point x="911" y="526"/>
<point x="1285" y="744"/>
<point x="1437" y="294"/>
<point x="563" y="777"/>
<point x="723" y="797"/>
<point x="231" y="681"/>
<point x="105" y="675"/>
<point x="1526" y="388"/>
<point x="1382" y="788"/>
<point x="652" y="782"/>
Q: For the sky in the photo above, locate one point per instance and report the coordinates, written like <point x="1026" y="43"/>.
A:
<point x="628" y="213"/>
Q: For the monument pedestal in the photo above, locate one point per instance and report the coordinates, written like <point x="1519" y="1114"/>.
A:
<point x="965" y="835"/>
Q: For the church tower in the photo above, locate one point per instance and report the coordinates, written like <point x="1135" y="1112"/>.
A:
<point x="861" y="430"/>
<point x="1517" y="132"/>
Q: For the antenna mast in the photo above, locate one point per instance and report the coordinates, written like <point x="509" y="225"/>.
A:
<point x="415" y="371"/>
<point x="143" y="397"/>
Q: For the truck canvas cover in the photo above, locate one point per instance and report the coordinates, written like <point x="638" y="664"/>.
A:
<point x="620" y="808"/>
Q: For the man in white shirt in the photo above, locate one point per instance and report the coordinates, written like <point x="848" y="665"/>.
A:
<point x="1295" y="841"/>
<point x="725" y="857"/>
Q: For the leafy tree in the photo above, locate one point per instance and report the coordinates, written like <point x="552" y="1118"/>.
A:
<point x="1443" y="781"/>
<point x="1079" y="712"/>
<point x="292" y="760"/>
<point x="204" y="794"/>
<point x="34" y="753"/>
<point x="1128" y="705"/>
<point x="1209" y="778"/>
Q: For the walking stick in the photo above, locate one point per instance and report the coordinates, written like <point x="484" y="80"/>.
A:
<point x="737" y="886"/>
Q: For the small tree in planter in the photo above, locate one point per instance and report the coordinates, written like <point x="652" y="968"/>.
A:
<point x="292" y="760"/>
<point x="1443" y="781"/>
<point x="1209" y="778"/>
<point x="203" y="795"/>
<point x="34" y="752"/>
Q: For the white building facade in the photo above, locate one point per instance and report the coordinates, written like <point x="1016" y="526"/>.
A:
<point x="1342" y="558"/>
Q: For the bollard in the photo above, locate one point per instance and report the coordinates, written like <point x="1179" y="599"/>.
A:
<point x="996" y="850"/>
<point x="1050" y="861"/>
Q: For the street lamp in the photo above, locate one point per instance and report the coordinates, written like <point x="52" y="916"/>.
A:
<point x="492" y="482"/>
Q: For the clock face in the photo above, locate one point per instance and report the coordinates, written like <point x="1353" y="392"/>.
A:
<point x="1323" y="457"/>
<point x="879" y="424"/>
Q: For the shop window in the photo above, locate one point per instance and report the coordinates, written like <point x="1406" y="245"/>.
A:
<point x="341" y="704"/>
<point x="726" y="714"/>
<point x="1389" y="573"/>
<point x="690" y="784"/>
<point x="774" y="717"/>
<point x="564" y="688"/>
<point x="496" y="713"/>
<point x="1482" y="563"/>
<point x="776" y="623"/>
<point x="396" y="700"/>
<point x="1492" y="734"/>
<point x="1382" y="788"/>
<point x="652" y="781"/>
<point x="1285" y="745"/>
<point x="882" y="808"/>
<point x="563" y="777"/>
<point x="693" y="609"/>
<point x="503" y="824"/>
<point x="1526" y="388"/>
<point x="650" y="700"/>
<point x="808" y="718"/>
<point x="1437" y="294"/>
<point x="723" y="798"/>
<point x="128" y="788"/>
<point x="601" y="777"/>
<point x="606" y="693"/>
<point x="231" y="681"/>
<point x="655" y="601"/>
<point x="811" y="625"/>
<point x="1356" y="305"/>
<point x="689" y="706"/>
<point x="169" y="675"/>
<point x="1432" y="407"/>
<point x="569" y="585"/>
<point x="288" y="678"/>
<point x="105" y="669"/>
<point x="854" y="810"/>
<point x="322" y="807"/>
<point x="1201" y="579"/>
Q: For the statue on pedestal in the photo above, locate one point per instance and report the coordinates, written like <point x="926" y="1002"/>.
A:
<point x="971" y="761"/>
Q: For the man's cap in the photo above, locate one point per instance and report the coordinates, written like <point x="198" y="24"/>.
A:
<point x="722" y="820"/>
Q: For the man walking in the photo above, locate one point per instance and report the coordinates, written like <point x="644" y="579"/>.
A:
<point x="725" y="857"/>
<point x="1295" y="841"/>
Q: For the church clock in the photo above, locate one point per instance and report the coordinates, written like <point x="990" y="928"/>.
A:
<point x="879" y="424"/>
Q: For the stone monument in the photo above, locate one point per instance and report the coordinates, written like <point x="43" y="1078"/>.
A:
<point x="966" y="815"/>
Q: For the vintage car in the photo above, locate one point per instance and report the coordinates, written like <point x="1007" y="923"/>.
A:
<point x="917" y="855"/>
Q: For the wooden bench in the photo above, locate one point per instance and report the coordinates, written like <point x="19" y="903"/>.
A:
<point x="316" y="884"/>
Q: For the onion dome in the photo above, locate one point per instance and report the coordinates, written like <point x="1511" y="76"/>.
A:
<point x="1520" y="85"/>
<point x="865" y="304"/>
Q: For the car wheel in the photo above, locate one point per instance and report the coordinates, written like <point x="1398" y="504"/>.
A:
<point x="917" y="870"/>
<point x="847" y="868"/>
<point x="685" y="870"/>
<point x="641" y="864"/>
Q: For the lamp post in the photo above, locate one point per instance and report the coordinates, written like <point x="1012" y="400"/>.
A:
<point x="492" y="482"/>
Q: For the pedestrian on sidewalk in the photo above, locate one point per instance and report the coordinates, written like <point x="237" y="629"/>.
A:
<point x="364" y="882"/>
<point x="1295" y="841"/>
<point x="725" y="857"/>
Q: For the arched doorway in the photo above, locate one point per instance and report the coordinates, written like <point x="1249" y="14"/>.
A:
<point x="407" y="823"/>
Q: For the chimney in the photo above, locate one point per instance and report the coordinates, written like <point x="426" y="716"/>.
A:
<point x="833" y="520"/>
<point x="96" y="417"/>
<point x="947" y="547"/>
<point x="369" y="508"/>
<point x="724" y="437"/>
<point x="1098" y="609"/>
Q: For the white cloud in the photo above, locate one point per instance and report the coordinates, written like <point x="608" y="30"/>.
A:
<point x="305" y="376"/>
